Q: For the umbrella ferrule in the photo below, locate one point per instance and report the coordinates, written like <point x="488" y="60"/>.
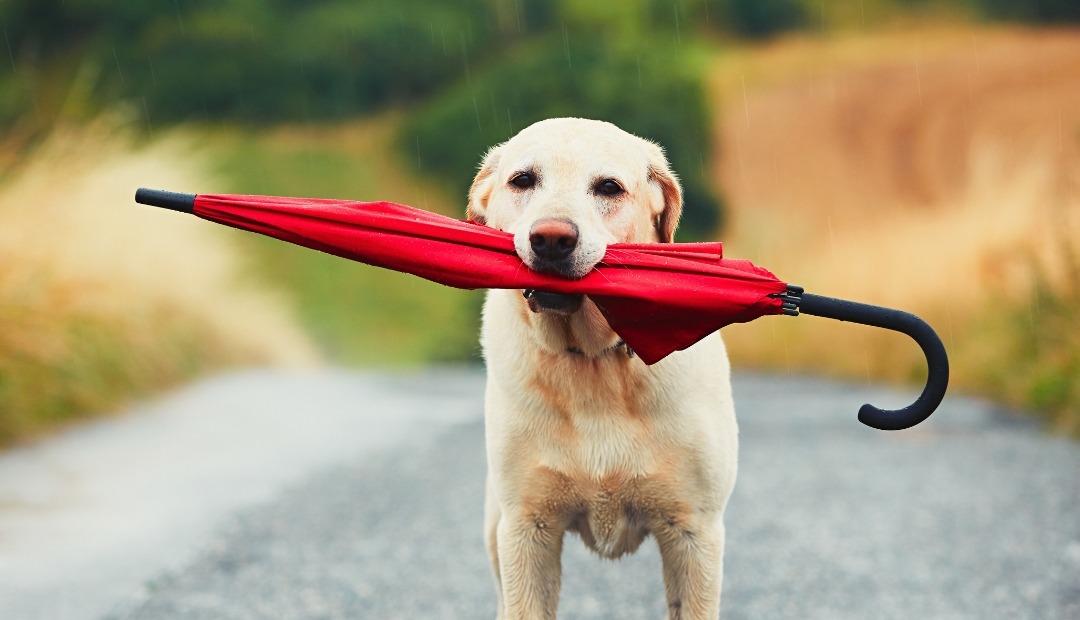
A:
<point x="175" y="201"/>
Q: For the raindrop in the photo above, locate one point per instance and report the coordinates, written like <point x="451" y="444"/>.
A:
<point x="678" y="34"/>
<point x="146" y="115"/>
<point x="180" y="18"/>
<point x="153" y="76"/>
<point x="465" y="60"/>
<point x="118" y="69"/>
<point x="978" y="61"/>
<point x="11" y="54"/>
<point x="832" y="240"/>
<point x="1061" y="134"/>
<point x="918" y="80"/>
<point x="509" y="122"/>
<point x="419" y="161"/>
<point x="476" y="109"/>
<point x="952" y="339"/>
<point x="746" y="106"/>
<point x="739" y="155"/>
<point x="566" y="44"/>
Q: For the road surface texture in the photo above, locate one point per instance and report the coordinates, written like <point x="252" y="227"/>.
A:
<point x="342" y="494"/>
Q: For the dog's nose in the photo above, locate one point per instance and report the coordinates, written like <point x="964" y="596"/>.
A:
<point x="553" y="239"/>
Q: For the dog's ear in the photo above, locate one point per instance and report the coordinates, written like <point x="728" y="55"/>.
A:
<point x="482" y="186"/>
<point x="660" y="173"/>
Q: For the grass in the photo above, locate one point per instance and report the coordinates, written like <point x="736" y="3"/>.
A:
<point x="1027" y="352"/>
<point x="932" y="170"/>
<point x="357" y="314"/>
<point x="103" y="301"/>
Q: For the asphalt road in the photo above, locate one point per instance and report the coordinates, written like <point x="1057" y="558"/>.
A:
<point x="352" y="495"/>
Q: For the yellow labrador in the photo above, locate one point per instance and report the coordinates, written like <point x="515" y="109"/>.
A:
<point x="581" y="435"/>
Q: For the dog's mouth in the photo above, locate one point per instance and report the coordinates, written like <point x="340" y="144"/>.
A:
<point x="554" y="303"/>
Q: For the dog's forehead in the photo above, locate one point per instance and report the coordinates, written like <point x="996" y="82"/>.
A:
<point x="585" y="147"/>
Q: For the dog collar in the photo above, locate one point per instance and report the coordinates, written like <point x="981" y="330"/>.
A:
<point x="618" y="346"/>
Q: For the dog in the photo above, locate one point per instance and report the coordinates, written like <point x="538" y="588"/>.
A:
<point x="581" y="435"/>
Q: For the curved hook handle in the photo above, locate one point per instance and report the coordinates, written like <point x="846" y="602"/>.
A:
<point x="937" y="360"/>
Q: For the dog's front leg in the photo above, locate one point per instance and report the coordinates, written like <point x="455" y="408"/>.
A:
<point x="530" y="566"/>
<point x="693" y="559"/>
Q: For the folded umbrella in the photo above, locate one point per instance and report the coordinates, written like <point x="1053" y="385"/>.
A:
<point x="659" y="298"/>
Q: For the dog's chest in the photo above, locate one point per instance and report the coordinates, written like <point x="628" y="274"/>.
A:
<point x="605" y="467"/>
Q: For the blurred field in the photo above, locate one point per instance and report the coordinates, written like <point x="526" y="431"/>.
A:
<point x="355" y="313"/>
<point x="102" y="300"/>
<point x="935" y="170"/>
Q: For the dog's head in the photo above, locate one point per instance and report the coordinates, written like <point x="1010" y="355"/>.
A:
<point x="566" y="188"/>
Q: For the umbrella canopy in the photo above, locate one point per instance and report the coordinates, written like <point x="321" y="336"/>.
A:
<point x="659" y="298"/>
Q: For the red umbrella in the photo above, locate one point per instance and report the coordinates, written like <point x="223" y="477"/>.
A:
<point x="659" y="298"/>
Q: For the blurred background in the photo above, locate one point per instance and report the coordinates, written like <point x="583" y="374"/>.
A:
<point x="922" y="154"/>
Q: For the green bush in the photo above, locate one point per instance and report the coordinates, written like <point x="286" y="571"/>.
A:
<point x="647" y="90"/>
<point x="762" y="18"/>
<point x="1039" y="11"/>
<point x="253" y="61"/>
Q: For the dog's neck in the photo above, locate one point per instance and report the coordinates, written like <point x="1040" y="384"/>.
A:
<point x="584" y="333"/>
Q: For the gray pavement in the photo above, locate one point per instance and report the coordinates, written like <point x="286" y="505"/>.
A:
<point x="359" y="496"/>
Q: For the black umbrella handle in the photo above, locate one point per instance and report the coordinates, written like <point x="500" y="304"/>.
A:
<point x="937" y="360"/>
<point x="166" y="200"/>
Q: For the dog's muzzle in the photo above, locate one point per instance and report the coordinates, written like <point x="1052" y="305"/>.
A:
<point x="555" y="303"/>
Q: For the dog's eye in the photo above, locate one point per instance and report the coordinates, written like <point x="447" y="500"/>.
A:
<point x="525" y="180"/>
<point x="608" y="187"/>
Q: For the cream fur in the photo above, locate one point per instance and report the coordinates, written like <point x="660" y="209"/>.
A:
<point x="582" y="437"/>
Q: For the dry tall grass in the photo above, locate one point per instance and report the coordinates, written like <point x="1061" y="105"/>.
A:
<point x="936" y="170"/>
<point x="101" y="299"/>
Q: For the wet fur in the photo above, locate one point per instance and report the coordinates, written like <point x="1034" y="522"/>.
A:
<point x="582" y="437"/>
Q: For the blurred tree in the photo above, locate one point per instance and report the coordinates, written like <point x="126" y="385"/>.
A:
<point x="248" y="60"/>
<point x="262" y="61"/>
<point x="1043" y="11"/>
<point x="640" y="87"/>
<point x="762" y="18"/>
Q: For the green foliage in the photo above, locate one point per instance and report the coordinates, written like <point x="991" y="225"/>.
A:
<point x="1026" y="352"/>
<point x="645" y="89"/>
<point x="356" y="314"/>
<point x="245" y="60"/>
<point x="1038" y="11"/>
<point x="763" y="18"/>
<point x="103" y="366"/>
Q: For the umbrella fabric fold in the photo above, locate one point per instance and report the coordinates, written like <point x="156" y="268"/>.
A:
<point x="659" y="298"/>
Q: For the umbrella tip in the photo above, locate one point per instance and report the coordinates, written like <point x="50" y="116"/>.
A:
<point x="166" y="200"/>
